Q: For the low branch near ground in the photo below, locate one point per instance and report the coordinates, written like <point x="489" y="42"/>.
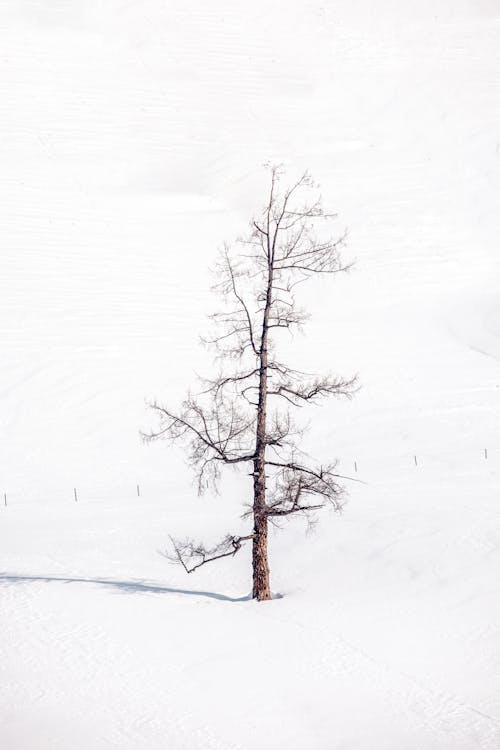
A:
<point x="187" y="551"/>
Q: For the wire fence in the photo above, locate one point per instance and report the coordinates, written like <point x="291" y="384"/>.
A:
<point x="362" y="468"/>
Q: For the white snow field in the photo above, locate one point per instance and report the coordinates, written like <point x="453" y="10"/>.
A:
<point x="132" y="136"/>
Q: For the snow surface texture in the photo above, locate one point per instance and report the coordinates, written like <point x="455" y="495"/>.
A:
<point x="132" y="135"/>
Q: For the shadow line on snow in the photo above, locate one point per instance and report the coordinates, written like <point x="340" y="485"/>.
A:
<point x="125" y="586"/>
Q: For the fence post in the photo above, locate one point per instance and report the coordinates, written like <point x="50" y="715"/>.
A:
<point x="415" y="459"/>
<point x="76" y="496"/>
<point x="138" y="491"/>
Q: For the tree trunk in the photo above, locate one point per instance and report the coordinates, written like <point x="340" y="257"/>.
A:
<point x="261" y="585"/>
<point x="260" y="565"/>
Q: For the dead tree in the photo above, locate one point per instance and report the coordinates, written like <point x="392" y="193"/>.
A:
<point x="243" y="416"/>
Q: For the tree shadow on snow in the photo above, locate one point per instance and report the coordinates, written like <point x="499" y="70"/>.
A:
<point x="128" y="587"/>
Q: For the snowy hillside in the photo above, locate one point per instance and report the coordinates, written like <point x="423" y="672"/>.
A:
<point x="132" y="139"/>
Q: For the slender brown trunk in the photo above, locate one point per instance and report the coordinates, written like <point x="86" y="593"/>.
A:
<point x="261" y="584"/>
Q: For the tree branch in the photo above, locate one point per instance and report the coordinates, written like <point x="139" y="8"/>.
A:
<point x="187" y="550"/>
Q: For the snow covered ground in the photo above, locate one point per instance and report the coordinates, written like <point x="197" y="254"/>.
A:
<point x="132" y="135"/>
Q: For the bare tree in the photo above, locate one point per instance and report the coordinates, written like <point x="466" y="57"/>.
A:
<point x="243" y="416"/>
